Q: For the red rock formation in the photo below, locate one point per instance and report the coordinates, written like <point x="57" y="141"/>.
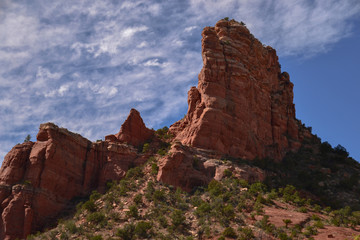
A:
<point x="243" y="105"/>
<point x="38" y="180"/>
<point x="133" y="130"/>
<point x="188" y="168"/>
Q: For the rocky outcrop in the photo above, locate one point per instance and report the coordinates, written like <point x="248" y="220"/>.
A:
<point x="243" y="104"/>
<point x="38" y="180"/>
<point x="133" y="131"/>
<point x="189" y="168"/>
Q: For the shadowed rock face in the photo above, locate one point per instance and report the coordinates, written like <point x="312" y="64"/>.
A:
<point x="243" y="104"/>
<point x="38" y="180"/>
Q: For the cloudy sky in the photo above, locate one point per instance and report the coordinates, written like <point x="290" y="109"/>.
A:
<point x="84" y="64"/>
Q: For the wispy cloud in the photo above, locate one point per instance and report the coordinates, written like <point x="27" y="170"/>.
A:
<point x="84" y="64"/>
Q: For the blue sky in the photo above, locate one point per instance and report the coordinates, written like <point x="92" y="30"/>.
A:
<point x="84" y="64"/>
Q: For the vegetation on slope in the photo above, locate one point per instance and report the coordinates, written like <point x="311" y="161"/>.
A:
<point x="139" y="207"/>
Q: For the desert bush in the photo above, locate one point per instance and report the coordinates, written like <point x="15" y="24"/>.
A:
<point x="145" y="148"/>
<point x="325" y="148"/>
<point x="138" y="199"/>
<point x="127" y="232"/>
<point x="203" y="209"/>
<point x="287" y="222"/>
<point x="341" y="217"/>
<point x="134" y="173"/>
<point x="215" y="188"/>
<point x="159" y="195"/>
<point x="96" y="218"/>
<point x="70" y="226"/>
<point x="229" y="232"/>
<point x="142" y="229"/>
<point x="246" y="233"/>
<point x="227" y="173"/>
<point x="154" y="169"/>
<point x="96" y="237"/>
<point x="89" y="205"/>
<point x="310" y="231"/>
<point x="133" y="212"/>
<point x="303" y="210"/>
<point x="257" y="188"/>
<point x="162" y="221"/>
<point x="340" y="150"/>
<point x="177" y="218"/>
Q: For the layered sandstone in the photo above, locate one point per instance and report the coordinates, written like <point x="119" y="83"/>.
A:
<point x="188" y="168"/>
<point x="133" y="130"/>
<point x="243" y="104"/>
<point x="38" y="180"/>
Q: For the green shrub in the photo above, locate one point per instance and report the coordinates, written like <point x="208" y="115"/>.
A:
<point x="95" y="196"/>
<point x="145" y="148"/>
<point x="246" y="233"/>
<point x="96" y="237"/>
<point x="149" y="190"/>
<point x="303" y="210"/>
<point x="70" y="226"/>
<point x="309" y="231"/>
<point x="325" y="148"/>
<point x="215" y="188"/>
<point x="64" y="236"/>
<point x="177" y="218"/>
<point x="229" y="232"/>
<point x="341" y="217"/>
<point x="340" y="150"/>
<point x="257" y="188"/>
<point x="133" y="212"/>
<point x="162" y="221"/>
<point x="283" y="236"/>
<point x="159" y="195"/>
<point x="162" y="151"/>
<point x="90" y="206"/>
<point x="154" y="169"/>
<point x="228" y="212"/>
<point x="319" y="224"/>
<point x="96" y="217"/>
<point x="287" y="222"/>
<point x="142" y="229"/>
<point x="163" y="133"/>
<point x="227" y="173"/>
<point x="134" y="173"/>
<point x="203" y="210"/>
<point x="243" y="183"/>
<point x="138" y="199"/>
<point x="127" y="232"/>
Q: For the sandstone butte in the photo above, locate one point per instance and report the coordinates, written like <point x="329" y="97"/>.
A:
<point x="242" y="107"/>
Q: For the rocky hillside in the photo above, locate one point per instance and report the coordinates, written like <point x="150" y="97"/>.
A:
<point x="140" y="207"/>
<point x="240" y="129"/>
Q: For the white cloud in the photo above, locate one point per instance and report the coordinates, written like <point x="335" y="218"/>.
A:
<point x="191" y="28"/>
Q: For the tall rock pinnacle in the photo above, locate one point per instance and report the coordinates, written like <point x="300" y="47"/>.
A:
<point x="243" y="104"/>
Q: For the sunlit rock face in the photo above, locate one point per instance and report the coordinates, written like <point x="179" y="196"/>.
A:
<point x="243" y="104"/>
<point x="39" y="180"/>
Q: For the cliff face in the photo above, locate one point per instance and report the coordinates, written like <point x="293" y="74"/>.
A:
<point x="38" y="180"/>
<point x="243" y="104"/>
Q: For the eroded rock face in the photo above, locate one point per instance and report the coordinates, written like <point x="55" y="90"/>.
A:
<point x="189" y="168"/>
<point x="38" y="180"/>
<point x="243" y="104"/>
<point x="133" y="131"/>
